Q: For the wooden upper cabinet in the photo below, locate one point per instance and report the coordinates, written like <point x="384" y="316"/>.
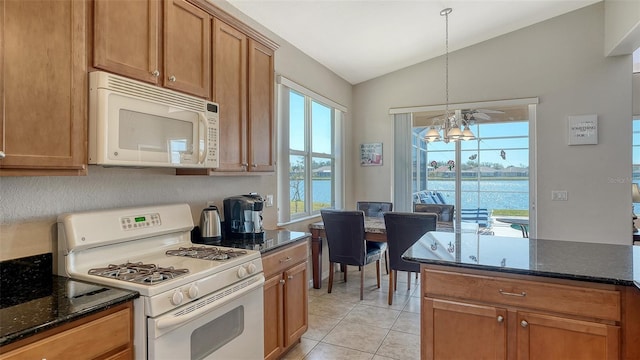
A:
<point x="187" y="48"/>
<point x="260" y="93"/>
<point x="230" y="91"/>
<point x="127" y="38"/>
<point x="43" y="87"/>
<point x="243" y="86"/>
<point x="128" y="41"/>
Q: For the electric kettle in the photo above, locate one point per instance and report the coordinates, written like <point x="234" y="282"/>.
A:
<point x="210" y="224"/>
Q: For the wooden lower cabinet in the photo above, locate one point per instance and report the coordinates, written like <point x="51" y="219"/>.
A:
<point x="106" y="335"/>
<point x="464" y="331"/>
<point x="472" y="314"/>
<point x="285" y="299"/>
<point x="556" y="337"/>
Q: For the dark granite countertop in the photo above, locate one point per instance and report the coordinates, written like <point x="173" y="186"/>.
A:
<point x="32" y="300"/>
<point x="272" y="240"/>
<point x="593" y="262"/>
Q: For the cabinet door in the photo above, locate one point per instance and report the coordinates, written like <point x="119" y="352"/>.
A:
<point x="260" y="107"/>
<point x="126" y="38"/>
<point x="295" y="303"/>
<point x="43" y="77"/>
<point x="453" y="330"/>
<point x="230" y="91"/>
<point x="273" y="323"/>
<point x="552" y="337"/>
<point x="187" y="48"/>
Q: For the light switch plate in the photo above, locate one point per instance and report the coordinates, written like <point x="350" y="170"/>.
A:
<point x="559" y="195"/>
<point x="269" y="201"/>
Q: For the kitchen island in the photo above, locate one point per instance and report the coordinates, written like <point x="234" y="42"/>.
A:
<point x="506" y="298"/>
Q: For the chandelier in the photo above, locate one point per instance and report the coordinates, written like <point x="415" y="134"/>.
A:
<point x="452" y="123"/>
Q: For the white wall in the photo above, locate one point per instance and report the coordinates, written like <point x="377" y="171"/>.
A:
<point x="622" y="26"/>
<point x="560" y="61"/>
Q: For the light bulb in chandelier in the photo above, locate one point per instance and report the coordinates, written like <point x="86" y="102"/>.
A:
<point x="467" y="134"/>
<point x="454" y="133"/>
<point x="432" y="135"/>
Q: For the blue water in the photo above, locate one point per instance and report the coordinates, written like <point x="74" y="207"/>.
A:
<point x="489" y="194"/>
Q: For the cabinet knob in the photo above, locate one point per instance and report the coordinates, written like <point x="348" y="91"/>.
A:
<point x="500" y="318"/>
<point x="524" y="323"/>
<point x="2" y="155"/>
<point x="290" y="277"/>
<point x="155" y="73"/>
<point x="245" y="164"/>
<point x="172" y="78"/>
<point x="281" y="281"/>
<point x="254" y="165"/>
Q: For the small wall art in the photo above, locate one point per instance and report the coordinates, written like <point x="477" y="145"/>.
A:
<point x="582" y="129"/>
<point x="371" y="154"/>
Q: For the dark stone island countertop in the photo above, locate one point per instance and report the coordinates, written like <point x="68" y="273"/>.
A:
<point x="272" y="240"/>
<point x="33" y="300"/>
<point x="593" y="262"/>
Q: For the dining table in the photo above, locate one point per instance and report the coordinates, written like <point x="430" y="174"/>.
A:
<point x="374" y="231"/>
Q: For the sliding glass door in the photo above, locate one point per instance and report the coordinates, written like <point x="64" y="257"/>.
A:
<point x="486" y="178"/>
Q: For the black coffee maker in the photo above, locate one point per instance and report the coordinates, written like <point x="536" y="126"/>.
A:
<point x="243" y="217"/>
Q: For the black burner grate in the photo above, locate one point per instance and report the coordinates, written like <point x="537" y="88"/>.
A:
<point x="138" y="272"/>
<point x="207" y="253"/>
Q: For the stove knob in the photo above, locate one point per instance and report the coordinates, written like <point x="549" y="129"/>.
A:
<point x="251" y="268"/>
<point x="177" y="297"/>
<point x="193" y="292"/>
<point x="242" y="272"/>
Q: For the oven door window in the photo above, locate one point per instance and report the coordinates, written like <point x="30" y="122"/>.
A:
<point x="213" y="335"/>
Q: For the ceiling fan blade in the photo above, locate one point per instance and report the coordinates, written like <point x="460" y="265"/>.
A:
<point x="481" y="116"/>
<point x="488" y="111"/>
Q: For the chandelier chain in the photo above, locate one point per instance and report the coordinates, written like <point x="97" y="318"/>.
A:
<point x="446" y="13"/>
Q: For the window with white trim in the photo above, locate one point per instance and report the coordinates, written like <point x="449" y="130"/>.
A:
<point x="309" y="165"/>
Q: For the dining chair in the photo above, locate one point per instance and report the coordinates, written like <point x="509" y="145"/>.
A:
<point x="345" y="238"/>
<point x="403" y="230"/>
<point x="376" y="209"/>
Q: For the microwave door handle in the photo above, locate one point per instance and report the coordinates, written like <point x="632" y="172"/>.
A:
<point x="203" y="150"/>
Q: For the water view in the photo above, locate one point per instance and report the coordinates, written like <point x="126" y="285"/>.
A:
<point x="489" y="194"/>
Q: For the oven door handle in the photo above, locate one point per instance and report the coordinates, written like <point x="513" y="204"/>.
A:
<point x="176" y="320"/>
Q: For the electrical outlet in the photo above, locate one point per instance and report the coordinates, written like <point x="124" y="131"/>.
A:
<point x="559" y="195"/>
<point x="269" y="201"/>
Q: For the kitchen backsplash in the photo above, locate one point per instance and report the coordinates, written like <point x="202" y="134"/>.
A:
<point x="30" y="205"/>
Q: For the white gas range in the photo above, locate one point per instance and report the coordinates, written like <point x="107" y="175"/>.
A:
<point x="197" y="301"/>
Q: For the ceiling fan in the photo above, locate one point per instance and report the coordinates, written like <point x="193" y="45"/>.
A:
<point x="479" y="114"/>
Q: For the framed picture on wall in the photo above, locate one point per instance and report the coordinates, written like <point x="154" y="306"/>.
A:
<point x="371" y="154"/>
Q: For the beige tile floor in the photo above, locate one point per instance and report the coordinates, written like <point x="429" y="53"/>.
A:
<point x="341" y="326"/>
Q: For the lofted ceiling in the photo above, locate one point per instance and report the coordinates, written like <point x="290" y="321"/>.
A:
<point x="363" y="39"/>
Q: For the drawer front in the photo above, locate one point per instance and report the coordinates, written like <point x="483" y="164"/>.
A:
<point x="86" y="341"/>
<point x="281" y="260"/>
<point x="567" y="299"/>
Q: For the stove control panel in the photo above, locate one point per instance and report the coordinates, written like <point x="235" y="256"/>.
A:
<point x="140" y="221"/>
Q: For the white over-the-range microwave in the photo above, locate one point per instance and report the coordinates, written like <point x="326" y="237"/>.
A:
<point x="132" y="123"/>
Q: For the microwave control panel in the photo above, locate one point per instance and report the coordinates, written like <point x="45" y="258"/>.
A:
<point x="211" y="149"/>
